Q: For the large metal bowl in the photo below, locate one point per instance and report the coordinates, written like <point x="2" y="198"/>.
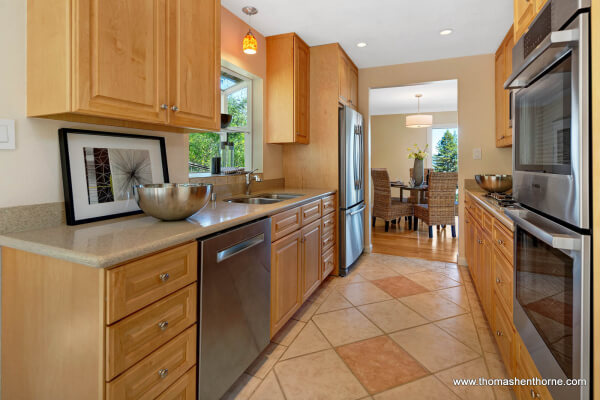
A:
<point x="494" y="183"/>
<point x="172" y="201"/>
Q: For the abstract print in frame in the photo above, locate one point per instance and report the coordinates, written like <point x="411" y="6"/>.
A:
<point x="100" y="170"/>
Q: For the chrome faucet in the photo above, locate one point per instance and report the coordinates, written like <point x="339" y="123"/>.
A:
<point x="251" y="178"/>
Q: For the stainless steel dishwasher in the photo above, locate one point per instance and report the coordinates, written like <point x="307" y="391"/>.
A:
<point x="234" y="305"/>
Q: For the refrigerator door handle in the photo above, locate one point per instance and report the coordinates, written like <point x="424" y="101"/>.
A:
<point x="358" y="211"/>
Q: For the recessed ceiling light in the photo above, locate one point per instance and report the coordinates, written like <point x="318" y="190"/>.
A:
<point x="361" y="44"/>
<point x="446" y="32"/>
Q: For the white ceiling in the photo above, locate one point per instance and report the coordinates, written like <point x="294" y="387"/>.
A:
<point x="396" y="31"/>
<point x="437" y="97"/>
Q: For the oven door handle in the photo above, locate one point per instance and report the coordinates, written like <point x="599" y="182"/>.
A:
<point x="552" y="49"/>
<point x="558" y="238"/>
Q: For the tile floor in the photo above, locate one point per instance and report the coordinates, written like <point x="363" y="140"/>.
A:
<point x="395" y="328"/>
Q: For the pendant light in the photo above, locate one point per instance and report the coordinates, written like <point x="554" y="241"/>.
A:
<point x="419" y="120"/>
<point x="249" y="45"/>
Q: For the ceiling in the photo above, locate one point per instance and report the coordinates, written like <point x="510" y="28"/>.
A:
<point x="437" y="97"/>
<point x="396" y="31"/>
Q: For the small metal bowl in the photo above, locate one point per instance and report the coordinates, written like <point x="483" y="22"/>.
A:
<point x="494" y="183"/>
<point x="172" y="201"/>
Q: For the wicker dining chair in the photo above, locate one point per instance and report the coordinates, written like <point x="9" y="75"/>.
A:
<point x="385" y="206"/>
<point x="414" y="196"/>
<point x="439" y="209"/>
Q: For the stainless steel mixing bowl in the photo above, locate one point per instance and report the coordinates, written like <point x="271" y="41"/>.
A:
<point x="494" y="183"/>
<point x="172" y="201"/>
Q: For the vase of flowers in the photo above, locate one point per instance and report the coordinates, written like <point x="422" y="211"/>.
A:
<point x="418" y="155"/>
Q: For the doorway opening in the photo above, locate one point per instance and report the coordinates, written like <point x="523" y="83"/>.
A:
<point x="415" y="128"/>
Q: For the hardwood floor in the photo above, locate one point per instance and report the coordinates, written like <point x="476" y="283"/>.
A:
<point x="401" y="241"/>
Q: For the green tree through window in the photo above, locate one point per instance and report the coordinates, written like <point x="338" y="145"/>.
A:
<point x="446" y="159"/>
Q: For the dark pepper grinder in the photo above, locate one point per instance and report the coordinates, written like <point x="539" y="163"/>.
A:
<point x="215" y="167"/>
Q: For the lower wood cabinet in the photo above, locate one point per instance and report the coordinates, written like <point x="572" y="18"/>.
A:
<point x="311" y="258"/>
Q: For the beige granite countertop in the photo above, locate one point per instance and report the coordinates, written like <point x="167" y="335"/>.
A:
<point x="488" y="205"/>
<point x="107" y="243"/>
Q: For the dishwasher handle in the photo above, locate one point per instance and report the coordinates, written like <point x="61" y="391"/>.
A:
<point x="240" y="247"/>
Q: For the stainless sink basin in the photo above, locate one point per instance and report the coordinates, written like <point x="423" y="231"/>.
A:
<point x="254" y="200"/>
<point x="279" y="196"/>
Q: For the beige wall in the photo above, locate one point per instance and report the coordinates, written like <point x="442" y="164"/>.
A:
<point x="475" y="110"/>
<point x="390" y="139"/>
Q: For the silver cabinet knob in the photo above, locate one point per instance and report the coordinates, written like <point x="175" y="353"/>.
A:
<point x="164" y="106"/>
<point x="534" y="394"/>
<point x="175" y="108"/>
<point x="163" y="373"/>
<point x="500" y="242"/>
<point x="499" y="333"/>
<point x="480" y="241"/>
<point x="164" y="277"/>
<point x="163" y="325"/>
<point x="498" y="280"/>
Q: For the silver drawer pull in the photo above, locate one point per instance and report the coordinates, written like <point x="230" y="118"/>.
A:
<point x="498" y="280"/>
<point x="163" y="373"/>
<point x="240" y="247"/>
<point x="499" y="333"/>
<point x="500" y="242"/>
<point x="163" y="325"/>
<point x="164" y="277"/>
<point x="534" y="394"/>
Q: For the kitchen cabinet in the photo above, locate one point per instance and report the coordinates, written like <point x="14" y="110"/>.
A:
<point x="311" y="258"/>
<point x="288" y="91"/>
<point x="524" y="13"/>
<point x="348" y="80"/>
<point x="134" y="62"/>
<point x="503" y="70"/>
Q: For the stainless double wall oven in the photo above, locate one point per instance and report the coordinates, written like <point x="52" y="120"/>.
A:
<point x="551" y="177"/>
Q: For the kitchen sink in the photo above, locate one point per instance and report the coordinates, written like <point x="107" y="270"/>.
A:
<point x="279" y="196"/>
<point x="254" y="200"/>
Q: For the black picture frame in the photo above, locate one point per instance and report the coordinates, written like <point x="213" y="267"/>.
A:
<point x="63" y="140"/>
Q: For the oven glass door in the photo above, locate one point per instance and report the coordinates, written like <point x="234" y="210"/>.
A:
<point x="544" y="290"/>
<point x="543" y="122"/>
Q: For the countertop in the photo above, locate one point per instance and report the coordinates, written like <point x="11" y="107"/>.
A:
<point x="488" y="205"/>
<point x="107" y="243"/>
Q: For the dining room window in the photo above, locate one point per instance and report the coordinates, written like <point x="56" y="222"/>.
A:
<point x="445" y="149"/>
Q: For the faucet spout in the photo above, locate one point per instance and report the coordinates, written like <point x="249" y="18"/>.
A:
<point x="251" y="178"/>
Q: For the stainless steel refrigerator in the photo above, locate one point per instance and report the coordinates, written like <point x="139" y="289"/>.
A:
<point x="352" y="187"/>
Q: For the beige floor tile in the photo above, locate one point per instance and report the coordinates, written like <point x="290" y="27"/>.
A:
<point x="306" y="312"/>
<point x="243" y="388"/>
<point x="407" y="268"/>
<point x="269" y="389"/>
<point x="433" y="280"/>
<point x="433" y="306"/>
<point x="487" y="340"/>
<point x="354" y="277"/>
<point x="334" y="302"/>
<point x="319" y="376"/>
<point x="428" y="388"/>
<point x="451" y="273"/>
<point x="288" y="333"/>
<point x="472" y="370"/>
<point x="321" y="294"/>
<point x="498" y="371"/>
<point x="433" y="347"/>
<point x="345" y="326"/>
<point x="392" y="315"/>
<point x="373" y="272"/>
<point x="266" y="360"/>
<point x="363" y="293"/>
<point x="463" y="329"/>
<point x="457" y="295"/>
<point x="309" y="340"/>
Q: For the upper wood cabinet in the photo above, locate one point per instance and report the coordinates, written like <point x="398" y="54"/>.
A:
<point x="539" y="4"/>
<point x="525" y="11"/>
<point x="503" y="96"/>
<point x="288" y="89"/>
<point x="348" y="80"/>
<point x="148" y="61"/>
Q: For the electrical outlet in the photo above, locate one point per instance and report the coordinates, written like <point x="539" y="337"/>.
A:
<point x="477" y="154"/>
<point x="7" y="134"/>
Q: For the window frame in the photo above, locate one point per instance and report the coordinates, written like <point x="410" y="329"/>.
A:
<point x="247" y="129"/>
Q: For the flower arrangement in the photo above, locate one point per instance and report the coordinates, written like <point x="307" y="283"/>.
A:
<point x="417" y="153"/>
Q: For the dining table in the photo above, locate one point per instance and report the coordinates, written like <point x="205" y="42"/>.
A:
<point x="421" y="190"/>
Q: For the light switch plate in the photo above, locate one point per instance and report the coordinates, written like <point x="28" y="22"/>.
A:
<point x="477" y="154"/>
<point x="7" y="134"/>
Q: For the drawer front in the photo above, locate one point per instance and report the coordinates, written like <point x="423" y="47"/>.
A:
<point x="328" y="204"/>
<point x="526" y="369"/>
<point x="503" y="332"/>
<point x="133" y="286"/>
<point x="310" y="212"/>
<point x="328" y="224"/>
<point x="138" y="335"/>
<point x="503" y="240"/>
<point x="183" y="389"/>
<point x="327" y="262"/>
<point x="503" y="281"/>
<point x="328" y="240"/>
<point x="285" y="223"/>
<point x="155" y="373"/>
<point x="488" y="221"/>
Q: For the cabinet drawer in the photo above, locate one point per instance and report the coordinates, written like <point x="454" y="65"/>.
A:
<point x="526" y="369"/>
<point x="487" y="221"/>
<point x="135" y="285"/>
<point x="328" y="204"/>
<point x="503" y="281"/>
<point x="310" y="212"/>
<point x="285" y="223"/>
<point x="328" y="240"/>
<point x="327" y="262"/>
<point x="503" y="240"/>
<point x="503" y="331"/>
<point x="183" y="389"/>
<point x="155" y="373"/>
<point x="328" y="224"/>
<point x="138" y="335"/>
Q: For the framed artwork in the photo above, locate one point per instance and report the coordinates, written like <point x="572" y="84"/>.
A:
<point x="99" y="171"/>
